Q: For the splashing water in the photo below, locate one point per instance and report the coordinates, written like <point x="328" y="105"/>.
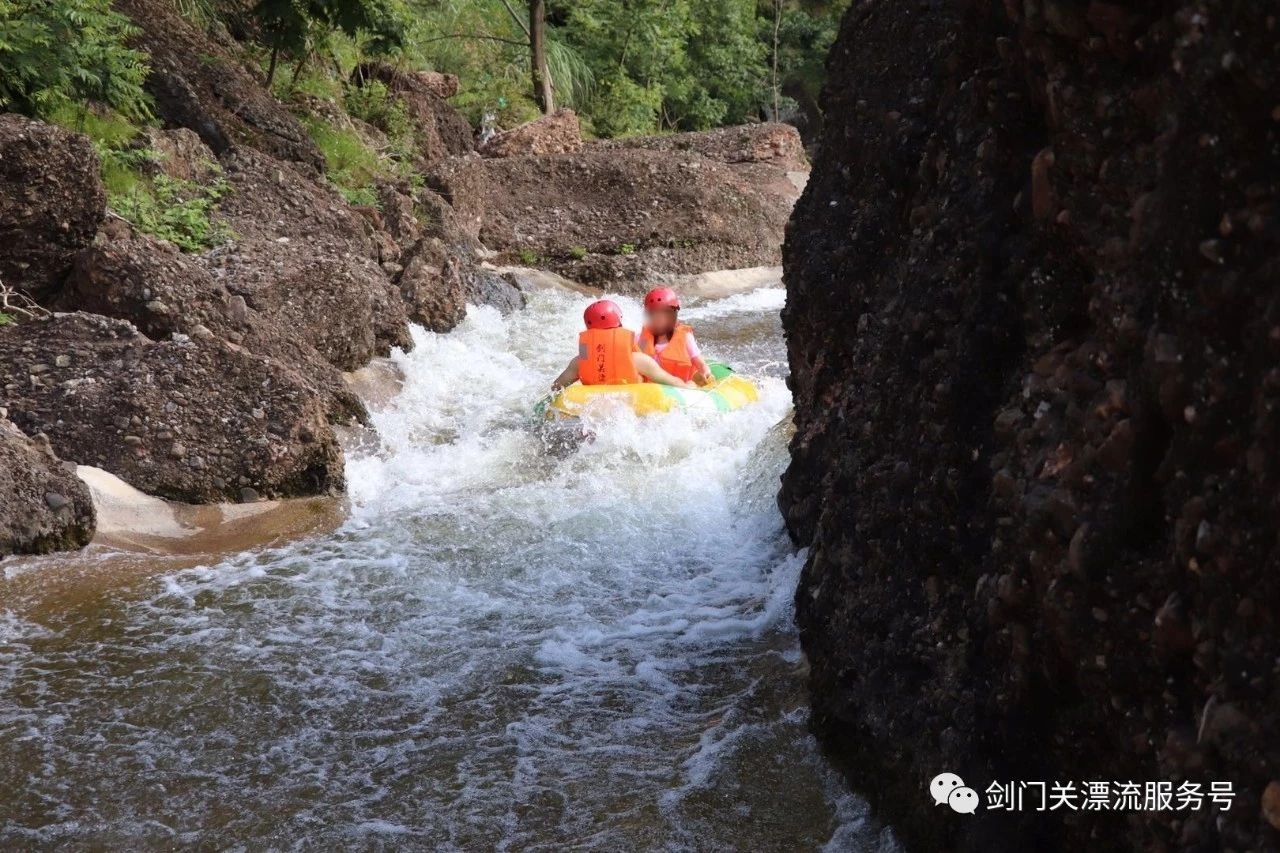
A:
<point x="501" y="648"/>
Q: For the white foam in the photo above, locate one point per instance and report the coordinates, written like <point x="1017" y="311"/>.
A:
<point x="493" y="625"/>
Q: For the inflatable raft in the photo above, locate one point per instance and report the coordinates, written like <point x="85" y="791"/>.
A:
<point x="729" y="392"/>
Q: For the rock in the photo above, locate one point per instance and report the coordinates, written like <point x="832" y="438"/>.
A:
<point x="616" y="216"/>
<point x="43" y="507"/>
<point x="558" y="133"/>
<point x="1110" y="371"/>
<point x="181" y="155"/>
<point x="488" y="287"/>
<point x="199" y="83"/>
<point x="432" y="286"/>
<point x="135" y="277"/>
<point x="120" y="374"/>
<point x="51" y="202"/>
<point x="771" y="143"/>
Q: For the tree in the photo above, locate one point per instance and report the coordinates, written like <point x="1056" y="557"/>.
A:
<point x="288" y="26"/>
<point x="59" y="52"/>
<point x="542" y="83"/>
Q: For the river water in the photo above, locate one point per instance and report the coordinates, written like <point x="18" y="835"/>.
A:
<point x="503" y="646"/>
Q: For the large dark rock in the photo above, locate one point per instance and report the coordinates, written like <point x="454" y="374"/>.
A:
<point x="193" y="420"/>
<point x="43" y="506"/>
<point x="51" y="201"/>
<point x="1033" y="322"/>
<point x="305" y="258"/>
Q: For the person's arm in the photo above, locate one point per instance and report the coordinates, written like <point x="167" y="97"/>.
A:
<point x="701" y="371"/>
<point x="567" y="377"/>
<point x="649" y="368"/>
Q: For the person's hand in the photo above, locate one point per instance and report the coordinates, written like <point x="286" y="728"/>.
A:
<point x="706" y="378"/>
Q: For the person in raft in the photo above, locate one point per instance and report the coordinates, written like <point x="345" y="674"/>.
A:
<point x="668" y="341"/>
<point x="607" y="354"/>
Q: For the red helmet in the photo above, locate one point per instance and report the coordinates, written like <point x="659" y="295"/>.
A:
<point x="661" y="297"/>
<point x="602" y="315"/>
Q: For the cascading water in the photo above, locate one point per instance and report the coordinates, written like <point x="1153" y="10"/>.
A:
<point x="502" y="647"/>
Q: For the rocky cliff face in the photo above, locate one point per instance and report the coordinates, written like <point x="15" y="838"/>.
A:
<point x="1034" y="331"/>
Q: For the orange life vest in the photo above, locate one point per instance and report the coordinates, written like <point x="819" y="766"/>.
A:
<point x="674" y="358"/>
<point x="604" y="357"/>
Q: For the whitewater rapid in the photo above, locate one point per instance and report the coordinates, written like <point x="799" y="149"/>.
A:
<point x="502" y="647"/>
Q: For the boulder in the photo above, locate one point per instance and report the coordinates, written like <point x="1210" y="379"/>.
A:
<point x="308" y="261"/>
<point x="1033" y="323"/>
<point x="195" y="420"/>
<point x="558" y="133"/>
<point x="181" y="155"/>
<point x="432" y="285"/>
<point x="342" y="305"/>
<point x="199" y="81"/>
<point x="51" y="202"/>
<point x="616" y="217"/>
<point x="43" y="506"/>
<point x="131" y="276"/>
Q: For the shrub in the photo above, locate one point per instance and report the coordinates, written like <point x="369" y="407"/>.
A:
<point x="59" y="52"/>
<point x="168" y="208"/>
<point x="349" y="162"/>
<point x="374" y="103"/>
<point x="578" y="252"/>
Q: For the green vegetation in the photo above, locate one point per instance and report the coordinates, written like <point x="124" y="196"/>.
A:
<point x="171" y="209"/>
<point x="626" y="67"/>
<point x="299" y="27"/>
<point x="351" y="164"/>
<point x="529" y="258"/>
<point x="578" y="252"/>
<point x="632" y="68"/>
<point x="55" y="53"/>
<point x="627" y="249"/>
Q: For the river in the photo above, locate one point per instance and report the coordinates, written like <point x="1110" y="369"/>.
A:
<point x="503" y="646"/>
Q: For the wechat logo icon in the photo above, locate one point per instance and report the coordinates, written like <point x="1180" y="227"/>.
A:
<point x="950" y="789"/>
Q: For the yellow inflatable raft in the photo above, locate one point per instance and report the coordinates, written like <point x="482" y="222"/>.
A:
<point x="729" y="392"/>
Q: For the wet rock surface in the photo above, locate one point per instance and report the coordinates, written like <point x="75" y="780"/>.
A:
<point x="51" y="201"/>
<point x="43" y="506"/>
<point x="1034" y="321"/>
<point x="188" y="419"/>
